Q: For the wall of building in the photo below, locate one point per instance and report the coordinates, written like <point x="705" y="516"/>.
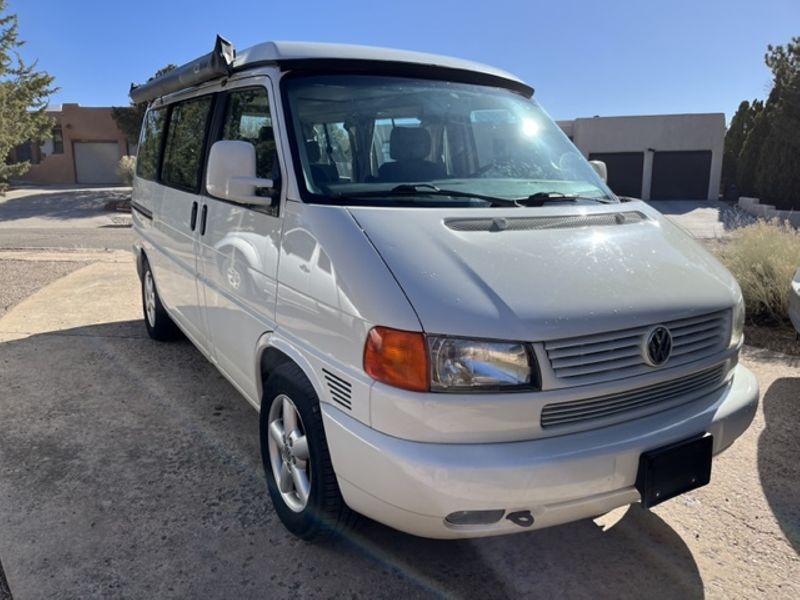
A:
<point x="78" y="124"/>
<point x="649" y="134"/>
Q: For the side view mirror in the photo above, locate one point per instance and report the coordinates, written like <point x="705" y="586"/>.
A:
<point x="231" y="174"/>
<point x="600" y="168"/>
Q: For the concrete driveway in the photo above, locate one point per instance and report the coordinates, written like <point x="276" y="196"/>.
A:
<point x="130" y="468"/>
<point x="703" y="219"/>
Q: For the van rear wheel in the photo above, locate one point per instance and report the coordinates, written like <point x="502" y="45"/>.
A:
<point x="158" y="323"/>
<point x="300" y="477"/>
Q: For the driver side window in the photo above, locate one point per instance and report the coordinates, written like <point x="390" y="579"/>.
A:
<point x="247" y="118"/>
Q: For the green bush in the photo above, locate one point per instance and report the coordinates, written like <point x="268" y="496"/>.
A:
<point x="764" y="257"/>
<point x="126" y="168"/>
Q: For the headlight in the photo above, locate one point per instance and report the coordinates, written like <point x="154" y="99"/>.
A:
<point x="459" y="364"/>
<point x="737" y="322"/>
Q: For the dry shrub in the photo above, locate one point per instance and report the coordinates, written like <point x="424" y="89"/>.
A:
<point x="126" y="168"/>
<point x="764" y="257"/>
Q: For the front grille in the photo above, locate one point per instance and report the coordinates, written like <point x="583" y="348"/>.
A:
<point x="618" y="354"/>
<point x="661" y="395"/>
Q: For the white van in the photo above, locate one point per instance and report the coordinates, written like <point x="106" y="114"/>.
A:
<point x="447" y="320"/>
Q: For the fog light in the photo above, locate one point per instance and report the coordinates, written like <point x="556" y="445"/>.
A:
<point x="475" y="517"/>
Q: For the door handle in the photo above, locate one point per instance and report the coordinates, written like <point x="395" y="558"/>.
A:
<point x="193" y="218"/>
<point x="203" y="215"/>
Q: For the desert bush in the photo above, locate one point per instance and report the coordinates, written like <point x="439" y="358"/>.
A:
<point x="126" y="168"/>
<point x="763" y="257"/>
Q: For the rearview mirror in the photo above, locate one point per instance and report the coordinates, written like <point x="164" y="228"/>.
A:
<point x="231" y="174"/>
<point x="600" y="168"/>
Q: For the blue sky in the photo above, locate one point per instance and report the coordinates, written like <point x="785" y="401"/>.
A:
<point x="616" y="57"/>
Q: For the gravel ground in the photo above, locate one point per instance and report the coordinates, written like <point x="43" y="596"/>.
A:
<point x="21" y="278"/>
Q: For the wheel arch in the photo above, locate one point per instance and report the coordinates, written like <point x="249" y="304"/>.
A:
<point x="272" y="351"/>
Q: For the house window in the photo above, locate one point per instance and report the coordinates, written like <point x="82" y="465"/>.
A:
<point x="58" y="141"/>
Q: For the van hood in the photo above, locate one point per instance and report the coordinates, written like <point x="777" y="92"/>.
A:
<point x="543" y="273"/>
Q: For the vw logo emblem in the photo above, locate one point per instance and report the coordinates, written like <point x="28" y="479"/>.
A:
<point x="658" y="346"/>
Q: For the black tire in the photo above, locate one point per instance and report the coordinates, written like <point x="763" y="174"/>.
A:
<point x="159" y="324"/>
<point x="325" y="513"/>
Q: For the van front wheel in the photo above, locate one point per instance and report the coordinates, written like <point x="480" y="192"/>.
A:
<point x="159" y="324"/>
<point x="297" y="464"/>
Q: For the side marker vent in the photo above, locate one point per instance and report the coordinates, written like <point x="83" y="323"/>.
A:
<point x="339" y="388"/>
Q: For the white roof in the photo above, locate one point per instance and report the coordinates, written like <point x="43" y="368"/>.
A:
<point x="285" y="51"/>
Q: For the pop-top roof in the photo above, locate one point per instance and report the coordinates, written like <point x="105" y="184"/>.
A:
<point x="277" y="52"/>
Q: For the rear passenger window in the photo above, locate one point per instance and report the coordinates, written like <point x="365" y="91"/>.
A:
<point x="150" y="144"/>
<point x="183" y="152"/>
<point x="247" y="119"/>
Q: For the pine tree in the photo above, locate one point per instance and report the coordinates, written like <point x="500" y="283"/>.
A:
<point x="129" y="118"/>
<point x="747" y="164"/>
<point x="741" y="123"/>
<point x="23" y="99"/>
<point x="778" y="167"/>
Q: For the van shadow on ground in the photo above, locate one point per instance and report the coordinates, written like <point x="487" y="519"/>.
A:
<point x="131" y="468"/>
<point x="60" y="204"/>
<point x="779" y="455"/>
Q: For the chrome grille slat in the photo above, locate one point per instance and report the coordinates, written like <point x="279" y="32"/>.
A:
<point x="678" y="332"/>
<point x="594" y="404"/>
<point x="590" y="409"/>
<point x="685" y="340"/>
<point x="616" y="354"/>
<point x="599" y="368"/>
<point x="595" y="357"/>
<point x="696" y="347"/>
<point x="628" y="342"/>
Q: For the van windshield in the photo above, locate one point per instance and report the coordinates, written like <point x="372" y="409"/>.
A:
<point x="400" y="140"/>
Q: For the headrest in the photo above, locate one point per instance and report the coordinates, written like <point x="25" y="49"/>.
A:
<point x="312" y="150"/>
<point x="409" y="143"/>
<point x="265" y="134"/>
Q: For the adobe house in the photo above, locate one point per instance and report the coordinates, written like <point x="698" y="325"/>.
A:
<point x="85" y="148"/>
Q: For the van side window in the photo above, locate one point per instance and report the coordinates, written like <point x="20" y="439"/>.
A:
<point x="247" y="118"/>
<point x="150" y="144"/>
<point x="183" y="152"/>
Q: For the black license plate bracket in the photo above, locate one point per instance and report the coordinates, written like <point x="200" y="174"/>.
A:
<point x="672" y="470"/>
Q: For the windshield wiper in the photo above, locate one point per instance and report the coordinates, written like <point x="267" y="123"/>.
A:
<point x="424" y="189"/>
<point x="540" y="198"/>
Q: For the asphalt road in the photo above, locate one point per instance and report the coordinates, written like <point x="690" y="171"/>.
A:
<point x="73" y="218"/>
<point x="131" y="469"/>
<point x="100" y="238"/>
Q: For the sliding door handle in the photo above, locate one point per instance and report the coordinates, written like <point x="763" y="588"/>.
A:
<point x="203" y="215"/>
<point x="193" y="218"/>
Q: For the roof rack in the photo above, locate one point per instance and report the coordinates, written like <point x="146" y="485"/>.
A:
<point x="215" y="64"/>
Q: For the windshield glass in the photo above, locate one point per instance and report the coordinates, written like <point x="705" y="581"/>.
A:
<point x="362" y="136"/>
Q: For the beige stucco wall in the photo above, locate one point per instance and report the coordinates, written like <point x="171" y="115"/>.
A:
<point x="704" y="131"/>
<point x="78" y="124"/>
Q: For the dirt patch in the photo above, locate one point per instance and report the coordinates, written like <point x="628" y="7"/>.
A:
<point x="777" y="339"/>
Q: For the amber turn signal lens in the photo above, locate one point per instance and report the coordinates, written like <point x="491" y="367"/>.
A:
<point x="397" y="358"/>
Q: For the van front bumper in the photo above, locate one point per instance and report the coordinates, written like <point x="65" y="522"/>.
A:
<point x="413" y="486"/>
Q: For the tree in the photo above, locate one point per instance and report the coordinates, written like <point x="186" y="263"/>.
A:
<point x="741" y="124"/>
<point x="129" y="118"/>
<point x="24" y="92"/>
<point x="778" y="167"/>
<point x="747" y="163"/>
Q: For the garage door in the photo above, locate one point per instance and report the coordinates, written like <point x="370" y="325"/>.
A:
<point x="624" y="171"/>
<point x="96" y="162"/>
<point x="681" y="175"/>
